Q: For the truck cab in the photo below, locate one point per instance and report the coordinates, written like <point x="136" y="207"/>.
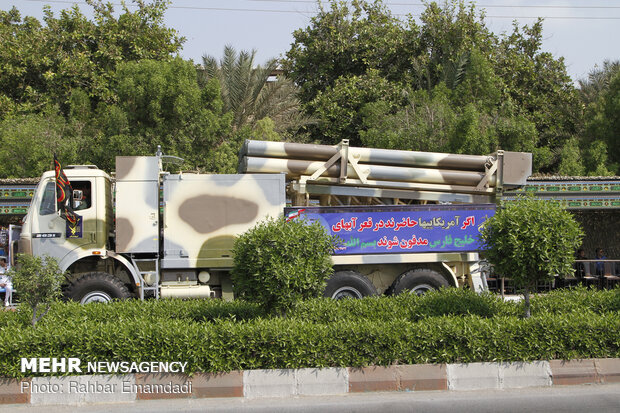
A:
<point x="84" y="250"/>
<point x="44" y="231"/>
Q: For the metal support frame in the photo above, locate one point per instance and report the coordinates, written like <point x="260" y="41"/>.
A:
<point x="318" y="184"/>
<point x="155" y="286"/>
<point x="489" y="169"/>
<point x="346" y="159"/>
<point x="384" y="191"/>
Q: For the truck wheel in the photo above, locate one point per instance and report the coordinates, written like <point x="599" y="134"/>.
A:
<point x="97" y="287"/>
<point x="348" y="284"/>
<point x="419" y="281"/>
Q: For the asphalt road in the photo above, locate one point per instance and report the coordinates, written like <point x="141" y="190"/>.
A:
<point x="600" y="398"/>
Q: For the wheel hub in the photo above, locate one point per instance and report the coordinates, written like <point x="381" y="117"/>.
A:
<point x="346" y="292"/>
<point x="421" y="289"/>
<point x="96" y="297"/>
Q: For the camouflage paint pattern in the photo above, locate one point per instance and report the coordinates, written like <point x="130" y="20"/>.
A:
<point x="364" y="155"/>
<point x="294" y="168"/>
<point x="203" y="214"/>
<point x="383" y="164"/>
<point x="137" y="204"/>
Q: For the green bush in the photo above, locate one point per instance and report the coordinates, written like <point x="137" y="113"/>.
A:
<point x="38" y="280"/>
<point x="461" y="302"/>
<point x="410" y="307"/>
<point x="145" y="311"/>
<point x="578" y="299"/>
<point x="279" y="263"/>
<point x="531" y="241"/>
<point x="287" y="343"/>
<point x="217" y="336"/>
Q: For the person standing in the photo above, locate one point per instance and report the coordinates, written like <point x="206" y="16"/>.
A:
<point x="600" y="266"/>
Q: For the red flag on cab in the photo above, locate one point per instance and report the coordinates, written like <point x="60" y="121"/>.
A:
<point x="64" y="193"/>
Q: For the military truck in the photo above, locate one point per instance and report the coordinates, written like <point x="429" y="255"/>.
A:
<point x="149" y="233"/>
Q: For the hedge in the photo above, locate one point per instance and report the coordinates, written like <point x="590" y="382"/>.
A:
<point x="214" y="336"/>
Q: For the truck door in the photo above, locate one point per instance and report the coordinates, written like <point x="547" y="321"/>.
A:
<point x="51" y="234"/>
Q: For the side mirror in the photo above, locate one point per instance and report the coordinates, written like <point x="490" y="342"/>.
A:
<point x="78" y="195"/>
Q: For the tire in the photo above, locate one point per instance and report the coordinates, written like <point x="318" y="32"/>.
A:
<point x="348" y="284"/>
<point x="97" y="287"/>
<point x="419" y="282"/>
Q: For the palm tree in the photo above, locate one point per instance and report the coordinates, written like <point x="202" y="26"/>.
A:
<point x="597" y="81"/>
<point x="252" y="92"/>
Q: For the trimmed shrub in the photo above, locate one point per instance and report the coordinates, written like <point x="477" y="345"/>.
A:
<point x="278" y="263"/>
<point x="411" y="307"/>
<point x="217" y="336"/>
<point x="286" y="343"/>
<point x="460" y="302"/>
<point x="577" y="299"/>
<point x="530" y="241"/>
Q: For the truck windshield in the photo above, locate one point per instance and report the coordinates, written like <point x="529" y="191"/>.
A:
<point x="48" y="202"/>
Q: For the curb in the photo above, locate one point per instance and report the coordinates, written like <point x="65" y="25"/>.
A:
<point x="250" y="384"/>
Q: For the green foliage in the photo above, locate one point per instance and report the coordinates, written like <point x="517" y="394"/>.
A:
<point x="406" y="307"/>
<point x="531" y="241"/>
<point x="279" y="263"/>
<point x="472" y="134"/>
<point x="596" y="159"/>
<point x="43" y="63"/>
<point x="610" y="121"/>
<point x="347" y="41"/>
<point x="340" y="107"/>
<point x="598" y="140"/>
<point x="160" y="103"/>
<point x="571" y="163"/>
<point x="445" y="84"/>
<point x="426" y="123"/>
<point x="450" y="326"/>
<point x="38" y="280"/>
<point x="249" y="93"/>
<point x="90" y="90"/>
<point x="29" y="141"/>
<point x="577" y="300"/>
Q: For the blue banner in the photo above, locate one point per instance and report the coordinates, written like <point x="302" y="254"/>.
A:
<point x="401" y="229"/>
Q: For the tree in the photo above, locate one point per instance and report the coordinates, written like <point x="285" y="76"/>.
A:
<point x="598" y="137"/>
<point x="605" y="125"/>
<point x="347" y="41"/>
<point x="531" y="241"/>
<point x="251" y="93"/>
<point x="29" y="141"/>
<point x="38" y="281"/>
<point x="355" y="61"/>
<point x="597" y="82"/>
<point x="340" y="108"/>
<point x="60" y="85"/>
<point x="539" y="87"/>
<point x="161" y="103"/>
<point x="571" y="163"/>
<point x="43" y="63"/>
<point x="279" y="263"/>
<point x="426" y="123"/>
